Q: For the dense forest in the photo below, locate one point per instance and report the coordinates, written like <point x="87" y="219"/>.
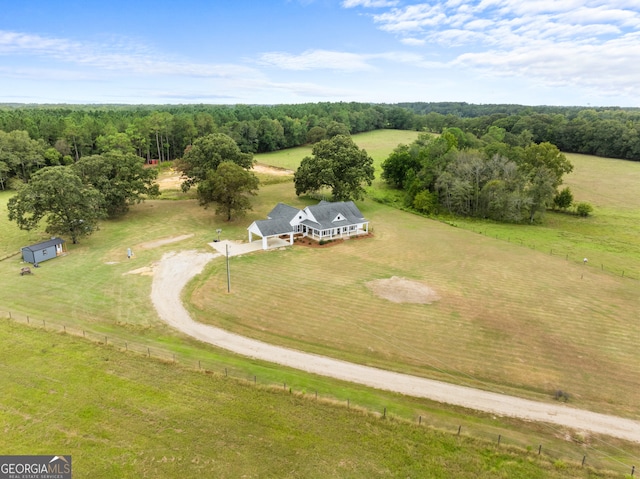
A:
<point x="611" y="132"/>
<point x="34" y="136"/>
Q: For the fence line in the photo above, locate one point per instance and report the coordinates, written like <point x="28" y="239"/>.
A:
<point x="623" y="273"/>
<point x="597" y="459"/>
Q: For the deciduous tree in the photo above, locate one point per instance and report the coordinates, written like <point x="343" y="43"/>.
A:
<point x="121" y="178"/>
<point x="206" y="154"/>
<point x="230" y="186"/>
<point x="338" y="164"/>
<point x="58" y="194"/>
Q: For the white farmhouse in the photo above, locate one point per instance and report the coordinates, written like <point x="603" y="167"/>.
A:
<point x="324" y="221"/>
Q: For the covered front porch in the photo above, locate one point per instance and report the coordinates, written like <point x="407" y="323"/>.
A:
<point x="340" y="232"/>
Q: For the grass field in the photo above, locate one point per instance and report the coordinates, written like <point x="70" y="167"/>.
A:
<point x="378" y="144"/>
<point x="540" y="323"/>
<point x="510" y="318"/>
<point x="123" y="416"/>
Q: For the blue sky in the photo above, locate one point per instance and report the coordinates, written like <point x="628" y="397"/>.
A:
<point x="533" y="52"/>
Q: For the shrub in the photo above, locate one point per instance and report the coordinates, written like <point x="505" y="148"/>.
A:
<point x="563" y="199"/>
<point x="584" y="209"/>
<point x="425" y="202"/>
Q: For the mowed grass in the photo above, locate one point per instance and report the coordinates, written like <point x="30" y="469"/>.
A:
<point x="121" y="415"/>
<point x="509" y="319"/>
<point x="609" y="238"/>
<point x="379" y="144"/>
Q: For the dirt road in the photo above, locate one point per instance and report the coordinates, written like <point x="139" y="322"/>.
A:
<point x="176" y="269"/>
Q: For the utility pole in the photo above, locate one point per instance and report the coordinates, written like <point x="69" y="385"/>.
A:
<point x="228" y="272"/>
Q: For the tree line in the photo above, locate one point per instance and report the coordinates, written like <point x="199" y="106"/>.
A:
<point x="163" y="132"/>
<point x="610" y="132"/>
<point x="34" y="136"/>
<point x="510" y="180"/>
<point x="63" y="134"/>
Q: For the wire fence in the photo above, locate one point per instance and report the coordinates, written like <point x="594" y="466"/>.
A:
<point x="628" y="273"/>
<point x="582" y="450"/>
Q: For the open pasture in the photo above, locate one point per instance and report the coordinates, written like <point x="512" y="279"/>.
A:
<point x="609" y="238"/>
<point x="124" y="416"/>
<point x="538" y="322"/>
<point x="509" y="319"/>
<point x="379" y="144"/>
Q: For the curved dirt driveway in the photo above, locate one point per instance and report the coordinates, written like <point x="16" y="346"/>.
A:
<point x="176" y="269"/>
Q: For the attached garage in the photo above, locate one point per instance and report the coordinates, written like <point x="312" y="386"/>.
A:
<point x="37" y="253"/>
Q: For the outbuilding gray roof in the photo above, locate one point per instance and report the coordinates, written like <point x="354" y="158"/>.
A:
<point x="44" y="244"/>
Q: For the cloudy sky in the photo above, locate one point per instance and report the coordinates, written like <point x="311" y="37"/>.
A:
<point x="533" y="52"/>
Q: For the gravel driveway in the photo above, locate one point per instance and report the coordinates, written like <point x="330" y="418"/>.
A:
<point x="176" y="269"/>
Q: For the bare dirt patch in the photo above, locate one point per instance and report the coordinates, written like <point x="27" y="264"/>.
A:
<point x="271" y="170"/>
<point x="402" y="290"/>
<point x="170" y="180"/>
<point x="144" y="271"/>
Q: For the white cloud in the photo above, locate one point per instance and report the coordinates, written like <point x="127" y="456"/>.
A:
<point x="611" y="68"/>
<point x="412" y="18"/>
<point x="416" y="42"/>
<point x="369" y="3"/>
<point x="588" y="43"/>
<point x="316" y="60"/>
<point x="115" y="57"/>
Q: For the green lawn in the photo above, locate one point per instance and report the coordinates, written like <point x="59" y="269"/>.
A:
<point x="539" y="323"/>
<point x="121" y="415"/>
<point x="378" y="144"/>
<point x="609" y="239"/>
<point x="519" y="312"/>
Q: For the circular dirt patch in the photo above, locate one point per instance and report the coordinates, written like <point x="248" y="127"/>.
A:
<point x="402" y="290"/>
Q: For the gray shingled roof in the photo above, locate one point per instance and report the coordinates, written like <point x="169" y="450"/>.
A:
<point x="277" y="226"/>
<point x="282" y="210"/>
<point x="44" y="244"/>
<point x="325" y="212"/>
